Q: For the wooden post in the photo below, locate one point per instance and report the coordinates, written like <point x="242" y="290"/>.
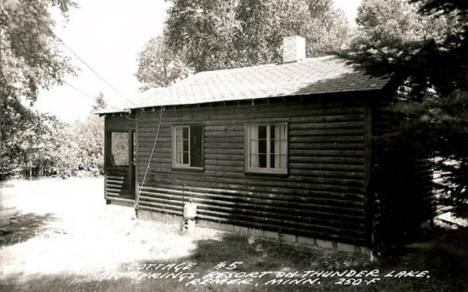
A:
<point x="130" y="158"/>
<point x="137" y="184"/>
<point x="106" y="145"/>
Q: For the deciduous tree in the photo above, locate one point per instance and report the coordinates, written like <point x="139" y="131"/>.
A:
<point x="211" y="35"/>
<point x="264" y="24"/>
<point x="202" y="32"/>
<point x="158" y="66"/>
<point x="30" y="52"/>
<point x="30" y="59"/>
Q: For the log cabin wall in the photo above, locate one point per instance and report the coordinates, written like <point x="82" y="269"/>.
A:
<point x="322" y="196"/>
<point x="117" y="179"/>
<point x="402" y="188"/>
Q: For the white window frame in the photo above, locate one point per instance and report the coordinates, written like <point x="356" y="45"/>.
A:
<point x="282" y="156"/>
<point x="175" y="162"/>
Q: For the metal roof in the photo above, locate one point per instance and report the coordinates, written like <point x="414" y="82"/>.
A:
<point x="308" y="77"/>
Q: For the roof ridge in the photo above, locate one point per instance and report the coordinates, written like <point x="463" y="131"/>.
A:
<point x="264" y="65"/>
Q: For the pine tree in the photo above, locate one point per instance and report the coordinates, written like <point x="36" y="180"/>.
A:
<point x="423" y="47"/>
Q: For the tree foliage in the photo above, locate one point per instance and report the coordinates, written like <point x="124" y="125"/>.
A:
<point x="99" y="103"/>
<point x="202" y="32"/>
<point x="158" y="66"/>
<point x="396" y="39"/>
<point x="88" y="142"/>
<point x="15" y="120"/>
<point x="43" y="145"/>
<point x="30" y="53"/>
<point x="208" y="35"/>
<point x="388" y="21"/>
<point x="264" y="24"/>
<point x="30" y="59"/>
<point x="423" y="46"/>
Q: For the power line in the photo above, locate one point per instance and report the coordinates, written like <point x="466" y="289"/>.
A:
<point x="94" y="71"/>
<point x="150" y="159"/>
<point x="79" y="90"/>
<point x="90" y="68"/>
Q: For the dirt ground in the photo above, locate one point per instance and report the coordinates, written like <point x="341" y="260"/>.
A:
<point x="66" y="227"/>
<point x="68" y="239"/>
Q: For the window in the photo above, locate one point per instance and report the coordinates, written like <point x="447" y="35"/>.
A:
<point x="119" y="149"/>
<point x="187" y="145"/>
<point x="267" y="148"/>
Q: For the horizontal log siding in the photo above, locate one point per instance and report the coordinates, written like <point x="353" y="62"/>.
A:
<point x="402" y="182"/>
<point x="322" y="196"/>
<point x="118" y="183"/>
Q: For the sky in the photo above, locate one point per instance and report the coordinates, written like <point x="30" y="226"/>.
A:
<point x="108" y="35"/>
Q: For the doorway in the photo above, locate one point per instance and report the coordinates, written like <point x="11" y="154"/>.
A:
<point x="120" y="156"/>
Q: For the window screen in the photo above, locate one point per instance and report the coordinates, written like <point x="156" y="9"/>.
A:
<point x="119" y="149"/>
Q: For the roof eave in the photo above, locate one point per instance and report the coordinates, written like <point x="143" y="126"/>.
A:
<point x="381" y="89"/>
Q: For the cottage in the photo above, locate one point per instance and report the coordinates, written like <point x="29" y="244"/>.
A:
<point x="286" y="151"/>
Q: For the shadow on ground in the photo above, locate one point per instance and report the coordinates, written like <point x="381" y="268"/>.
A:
<point x="445" y="257"/>
<point x="441" y="251"/>
<point x="27" y="226"/>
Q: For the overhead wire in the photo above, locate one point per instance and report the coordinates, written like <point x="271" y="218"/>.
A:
<point x="91" y="68"/>
<point x="149" y="160"/>
<point x="79" y="90"/>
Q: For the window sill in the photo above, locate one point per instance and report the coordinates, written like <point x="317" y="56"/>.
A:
<point x="283" y="172"/>
<point x="188" y="168"/>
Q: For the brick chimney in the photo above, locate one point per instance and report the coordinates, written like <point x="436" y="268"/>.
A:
<point x="293" y="49"/>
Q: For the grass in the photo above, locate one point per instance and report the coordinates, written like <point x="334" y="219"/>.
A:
<point x="69" y="240"/>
